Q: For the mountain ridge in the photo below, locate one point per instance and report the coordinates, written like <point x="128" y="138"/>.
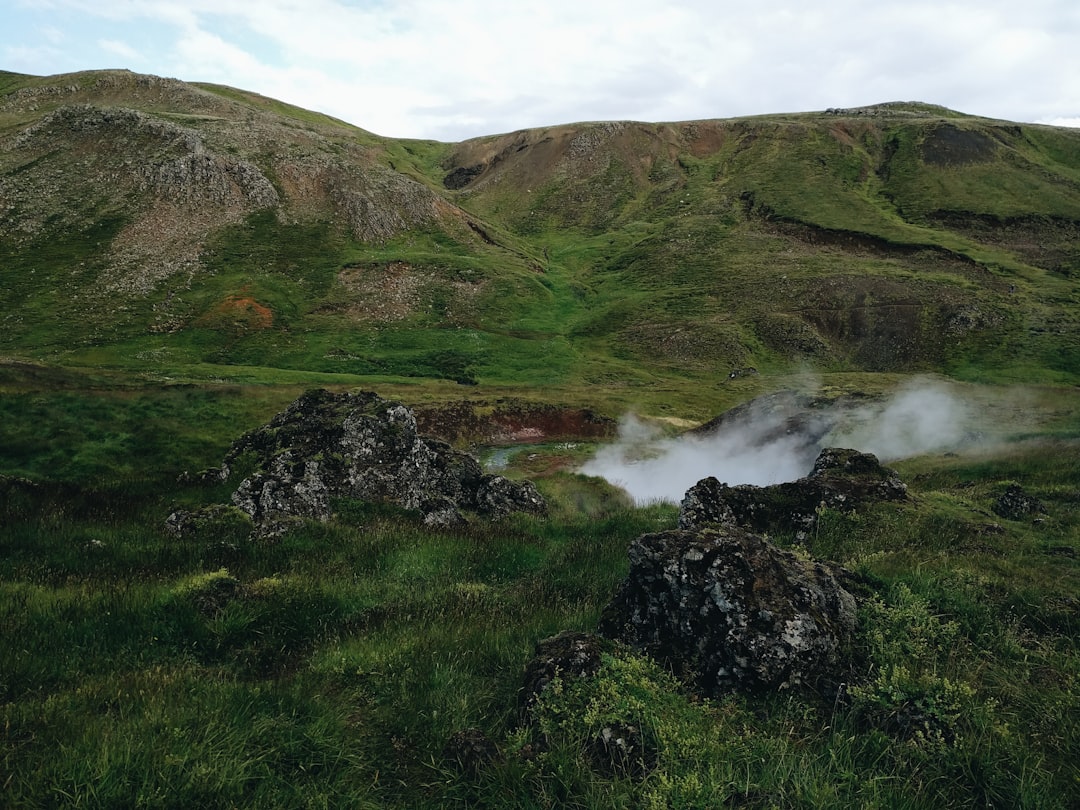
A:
<point x="194" y="224"/>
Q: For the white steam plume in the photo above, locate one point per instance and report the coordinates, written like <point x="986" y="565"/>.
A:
<point x="772" y="441"/>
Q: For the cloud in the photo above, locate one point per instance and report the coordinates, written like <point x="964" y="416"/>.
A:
<point x="121" y="49"/>
<point x="1062" y="122"/>
<point x="427" y="68"/>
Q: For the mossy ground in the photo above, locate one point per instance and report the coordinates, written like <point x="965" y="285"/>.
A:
<point x="332" y="667"/>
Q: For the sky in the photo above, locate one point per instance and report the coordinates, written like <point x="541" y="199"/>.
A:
<point x="455" y="69"/>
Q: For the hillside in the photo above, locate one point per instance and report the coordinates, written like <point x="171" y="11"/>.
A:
<point x="221" y="586"/>
<point x="151" y="223"/>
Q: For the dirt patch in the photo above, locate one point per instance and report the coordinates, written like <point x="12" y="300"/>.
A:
<point x="239" y="312"/>
<point x="704" y="138"/>
<point x="398" y="290"/>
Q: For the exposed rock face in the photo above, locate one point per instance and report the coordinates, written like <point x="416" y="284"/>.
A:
<point x="727" y="610"/>
<point x="840" y="479"/>
<point x="358" y="445"/>
<point x="185" y="170"/>
<point x="1016" y="504"/>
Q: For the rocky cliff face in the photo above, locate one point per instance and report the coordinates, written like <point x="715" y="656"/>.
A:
<point x="326" y="446"/>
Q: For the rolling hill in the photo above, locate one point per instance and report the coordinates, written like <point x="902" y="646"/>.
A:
<point x="184" y="229"/>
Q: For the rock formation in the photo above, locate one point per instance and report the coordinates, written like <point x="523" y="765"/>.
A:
<point x="727" y="610"/>
<point x="1016" y="504"/>
<point x="840" y="479"/>
<point x="570" y="654"/>
<point x="326" y="446"/>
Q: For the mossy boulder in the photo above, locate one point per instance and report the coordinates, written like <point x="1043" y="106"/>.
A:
<point x="727" y="610"/>
<point x="840" y="479"/>
<point x="327" y="446"/>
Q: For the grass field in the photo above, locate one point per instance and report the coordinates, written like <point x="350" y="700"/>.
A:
<point x="333" y="667"/>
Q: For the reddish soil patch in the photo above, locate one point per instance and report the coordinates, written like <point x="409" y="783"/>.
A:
<point x="510" y="421"/>
<point x="240" y="312"/>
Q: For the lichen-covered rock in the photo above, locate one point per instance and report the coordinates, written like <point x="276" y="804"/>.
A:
<point x="727" y="610"/>
<point x="1016" y="504"/>
<point x="840" y="479"/>
<point x="326" y="446"/>
<point x="498" y="497"/>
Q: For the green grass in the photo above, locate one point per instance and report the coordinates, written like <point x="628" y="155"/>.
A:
<point x="332" y="666"/>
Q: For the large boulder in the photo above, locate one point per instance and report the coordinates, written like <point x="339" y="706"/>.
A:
<point x="840" y="479"/>
<point x="326" y="446"/>
<point x="727" y="610"/>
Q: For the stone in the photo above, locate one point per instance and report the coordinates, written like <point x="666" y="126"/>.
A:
<point x="726" y="610"/>
<point x="570" y="654"/>
<point x="1016" y="504"/>
<point x="840" y="479"/>
<point x="327" y="446"/>
<point x="228" y="522"/>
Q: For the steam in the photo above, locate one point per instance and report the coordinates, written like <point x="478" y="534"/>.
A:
<point x="777" y="438"/>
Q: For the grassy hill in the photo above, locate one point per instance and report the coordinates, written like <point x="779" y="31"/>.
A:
<point x="178" y="262"/>
<point x="170" y="227"/>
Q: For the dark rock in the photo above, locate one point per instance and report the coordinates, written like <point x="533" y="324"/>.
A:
<point x="470" y="750"/>
<point x="326" y="446"/>
<point x="213" y="475"/>
<point x="570" y="654"/>
<point x="799" y="420"/>
<point x="226" y="521"/>
<point x="462" y="176"/>
<point x="727" y="610"/>
<point x="498" y="497"/>
<point x="1016" y="504"/>
<point x="840" y="479"/>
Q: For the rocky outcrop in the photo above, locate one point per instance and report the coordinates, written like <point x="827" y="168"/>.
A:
<point x="182" y="168"/>
<point x="727" y="610"/>
<point x="1016" y="504"/>
<point x="326" y="446"/>
<point x="840" y="479"/>
<point x="381" y="203"/>
<point x="616" y="747"/>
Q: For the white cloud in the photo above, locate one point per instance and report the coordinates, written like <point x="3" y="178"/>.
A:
<point x="437" y="69"/>
<point x="121" y="49"/>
